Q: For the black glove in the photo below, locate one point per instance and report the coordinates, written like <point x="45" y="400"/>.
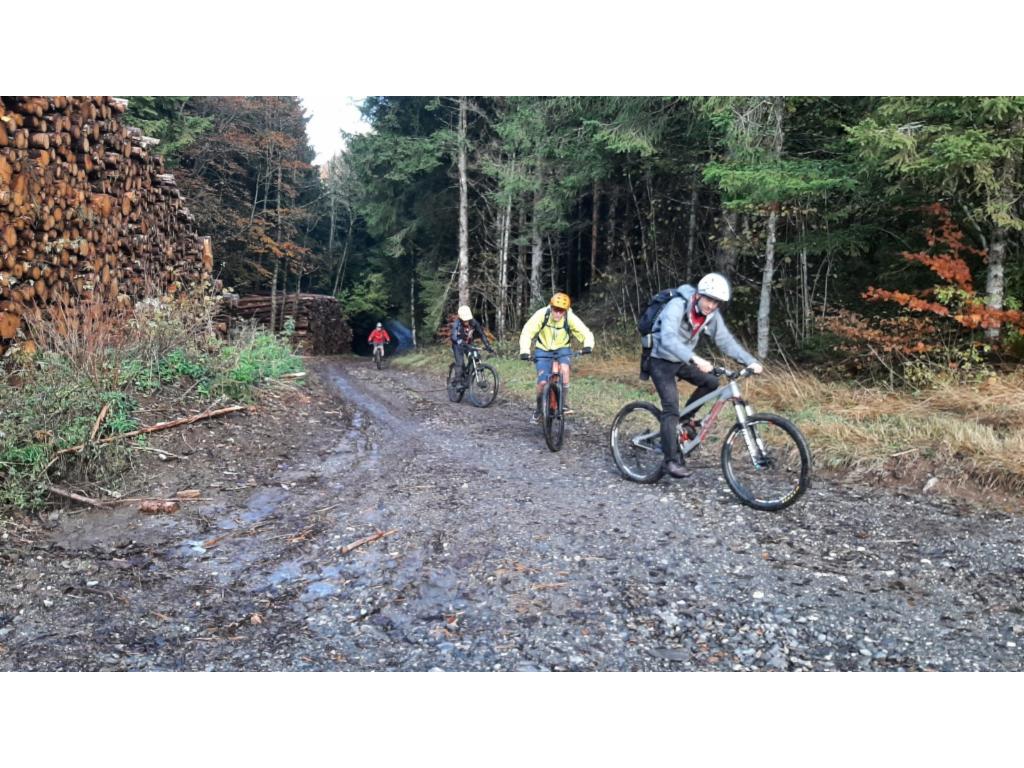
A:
<point x="524" y="355"/>
<point x="587" y="350"/>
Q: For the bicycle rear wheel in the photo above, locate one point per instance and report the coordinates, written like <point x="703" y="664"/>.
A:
<point x="554" y="422"/>
<point x="635" y="440"/>
<point x="483" y="387"/>
<point x="455" y="389"/>
<point x="773" y="471"/>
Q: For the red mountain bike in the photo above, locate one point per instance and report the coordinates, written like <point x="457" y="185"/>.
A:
<point x="552" y="401"/>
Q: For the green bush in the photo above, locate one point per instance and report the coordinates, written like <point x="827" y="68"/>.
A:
<point x="52" y="401"/>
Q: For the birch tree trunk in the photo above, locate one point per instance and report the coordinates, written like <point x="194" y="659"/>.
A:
<point x="764" y="309"/>
<point x="463" y="209"/>
<point x="994" y="279"/>
<point x="504" y="239"/>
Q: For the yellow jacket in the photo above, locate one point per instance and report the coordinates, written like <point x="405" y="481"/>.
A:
<point x="551" y="335"/>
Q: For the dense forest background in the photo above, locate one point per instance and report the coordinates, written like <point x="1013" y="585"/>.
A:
<point x="860" y="233"/>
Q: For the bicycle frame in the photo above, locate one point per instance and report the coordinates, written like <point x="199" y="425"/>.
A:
<point x="728" y="392"/>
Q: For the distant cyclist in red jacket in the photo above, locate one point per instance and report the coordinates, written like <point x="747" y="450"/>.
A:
<point x="379" y="337"/>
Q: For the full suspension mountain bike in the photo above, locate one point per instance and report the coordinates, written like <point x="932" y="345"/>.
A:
<point x="765" y="458"/>
<point x="378" y="355"/>
<point x="479" y="379"/>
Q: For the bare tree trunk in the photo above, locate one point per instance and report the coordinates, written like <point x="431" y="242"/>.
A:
<point x="764" y="309"/>
<point x="994" y="279"/>
<point x="330" y="233"/>
<point x="554" y="264"/>
<point x="691" y="235"/>
<point x="726" y="251"/>
<point x="463" y="208"/>
<point x="273" y="293"/>
<point x="504" y="239"/>
<point x="412" y="299"/>
<point x="522" y="275"/>
<point x="805" y="292"/>
<point x="273" y="296"/>
<point x="595" y="205"/>
<point x="536" y="254"/>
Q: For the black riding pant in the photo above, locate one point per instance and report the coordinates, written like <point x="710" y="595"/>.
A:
<point x="664" y="374"/>
<point x="460" y="358"/>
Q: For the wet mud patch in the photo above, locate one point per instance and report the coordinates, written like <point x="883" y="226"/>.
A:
<point x="365" y="522"/>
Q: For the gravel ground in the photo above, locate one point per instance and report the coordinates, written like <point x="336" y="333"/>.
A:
<point x="501" y="556"/>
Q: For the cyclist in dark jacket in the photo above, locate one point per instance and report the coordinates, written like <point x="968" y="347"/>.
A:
<point x="463" y="331"/>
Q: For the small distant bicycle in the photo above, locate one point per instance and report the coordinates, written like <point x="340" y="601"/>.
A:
<point x="479" y="379"/>
<point x="378" y="355"/>
<point x="552" y="403"/>
<point x="765" y="458"/>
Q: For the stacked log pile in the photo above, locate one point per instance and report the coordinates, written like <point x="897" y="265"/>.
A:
<point x="320" y="324"/>
<point x="85" y="211"/>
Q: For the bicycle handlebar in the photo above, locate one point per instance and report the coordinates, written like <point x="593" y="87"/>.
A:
<point x="572" y="353"/>
<point x="719" y="370"/>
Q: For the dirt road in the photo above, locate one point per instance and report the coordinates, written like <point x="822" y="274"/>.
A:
<point x="499" y="555"/>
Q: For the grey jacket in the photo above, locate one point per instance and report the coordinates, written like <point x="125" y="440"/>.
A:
<point x="674" y="340"/>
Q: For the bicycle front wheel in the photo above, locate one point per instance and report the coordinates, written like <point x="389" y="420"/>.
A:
<point x="378" y="357"/>
<point x="635" y="440"/>
<point x="554" y="422"/>
<point x="772" y="469"/>
<point x="455" y="389"/>
<point x="484" y="386"/>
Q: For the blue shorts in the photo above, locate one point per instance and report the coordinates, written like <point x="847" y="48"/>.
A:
<point x="545" y="359"/>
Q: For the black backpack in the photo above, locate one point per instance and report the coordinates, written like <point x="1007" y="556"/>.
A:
<point x="645" y="325"/>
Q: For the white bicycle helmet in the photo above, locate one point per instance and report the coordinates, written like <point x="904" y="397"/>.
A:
<point x="379" y="325"/>
<point x="465" y="314"/>
<point x="715" y="286"/>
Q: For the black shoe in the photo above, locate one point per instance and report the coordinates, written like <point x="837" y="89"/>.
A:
<point x="677" y="468"/>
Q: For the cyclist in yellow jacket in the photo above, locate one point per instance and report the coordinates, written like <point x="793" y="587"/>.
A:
<point x="552" y="328"/>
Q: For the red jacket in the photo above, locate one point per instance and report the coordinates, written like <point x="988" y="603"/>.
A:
<point x="379" y="336"/>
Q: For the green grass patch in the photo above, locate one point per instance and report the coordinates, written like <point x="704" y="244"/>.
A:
<point x="53" y="401"/>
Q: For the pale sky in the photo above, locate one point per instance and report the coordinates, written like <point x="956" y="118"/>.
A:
<point x="330" y="116"/>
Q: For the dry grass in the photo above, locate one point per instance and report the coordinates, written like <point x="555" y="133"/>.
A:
<point x="967" y="435"/>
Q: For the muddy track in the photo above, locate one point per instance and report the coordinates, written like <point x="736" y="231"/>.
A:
<point x="504" y="556"/>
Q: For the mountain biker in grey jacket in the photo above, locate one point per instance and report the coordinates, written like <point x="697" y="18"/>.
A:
<point x="676" y="333"/>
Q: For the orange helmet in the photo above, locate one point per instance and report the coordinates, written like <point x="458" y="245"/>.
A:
<point x="560" y="301"/>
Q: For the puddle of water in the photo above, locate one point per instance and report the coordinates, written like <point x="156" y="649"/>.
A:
<point x="263" y="503"/>
<point x="284" y="572"/>
<point x="319" y="589"/>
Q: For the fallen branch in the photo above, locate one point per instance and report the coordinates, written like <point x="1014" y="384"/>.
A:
<point x="160" y="451"/>
<point x="99" y="420"/>
<point x="58" y="491"/>
<point x="366" y="540"/>
<point x="136" y="499"/>
<point x="155" y="428"/>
